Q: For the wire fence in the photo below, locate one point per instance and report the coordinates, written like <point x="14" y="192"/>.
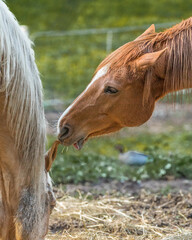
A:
<point x="109" y="32"/>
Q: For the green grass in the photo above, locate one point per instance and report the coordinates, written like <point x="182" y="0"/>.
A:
<point x="169" y="155"/>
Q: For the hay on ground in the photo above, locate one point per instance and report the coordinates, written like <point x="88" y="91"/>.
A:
<point x="143" y="217"/>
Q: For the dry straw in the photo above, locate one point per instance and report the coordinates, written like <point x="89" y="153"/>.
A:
<point x="148" y="217"/>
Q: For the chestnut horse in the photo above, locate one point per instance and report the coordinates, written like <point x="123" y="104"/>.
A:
<point x="128" y="82"/>
<point x="26" y="196"/>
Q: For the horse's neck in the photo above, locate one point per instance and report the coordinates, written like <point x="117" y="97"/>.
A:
<point x="9" y="189"/>
<point x="8" y="157"/>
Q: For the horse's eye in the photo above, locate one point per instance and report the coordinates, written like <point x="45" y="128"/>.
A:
<point x="110" y="90"/>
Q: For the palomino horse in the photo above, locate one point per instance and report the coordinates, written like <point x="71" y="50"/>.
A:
<point x="26" y="196"/>
<point x="127" y="84"/>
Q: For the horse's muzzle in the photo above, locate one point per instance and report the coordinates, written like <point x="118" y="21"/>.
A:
<point x="65" y="132"/>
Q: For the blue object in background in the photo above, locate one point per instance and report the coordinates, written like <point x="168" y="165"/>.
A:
<point x="134" y="158"/>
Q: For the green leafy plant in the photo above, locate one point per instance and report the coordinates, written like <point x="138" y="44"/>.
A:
<point x="92" y="167"/>
<point x="86" y="167"/>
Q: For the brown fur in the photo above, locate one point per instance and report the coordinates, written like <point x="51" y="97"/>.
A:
<point x="51" y="155"/>
<point x="143" y="71"/>
<point x="177" y="39"/>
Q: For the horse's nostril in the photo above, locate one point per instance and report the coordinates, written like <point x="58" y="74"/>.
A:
<point x="64" y="133"/>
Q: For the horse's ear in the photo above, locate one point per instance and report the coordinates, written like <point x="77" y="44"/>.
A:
<point x="149" y="30"/>
<point x="51" y="155"/>
<point x="149" y="59"/>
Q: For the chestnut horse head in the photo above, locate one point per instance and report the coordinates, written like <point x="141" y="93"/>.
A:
<point x="26" y="196"/>
<point x="127" y="84"/>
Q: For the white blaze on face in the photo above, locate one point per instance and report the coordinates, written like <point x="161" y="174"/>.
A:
<point x="98" y="75"/>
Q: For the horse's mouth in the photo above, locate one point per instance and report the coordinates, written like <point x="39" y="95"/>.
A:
<point x="79" y="144"/>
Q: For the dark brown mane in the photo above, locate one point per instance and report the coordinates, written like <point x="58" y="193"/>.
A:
<point x="177" y="39"/>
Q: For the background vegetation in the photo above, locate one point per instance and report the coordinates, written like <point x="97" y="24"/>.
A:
<point x="169" y="157"/>
<point x="41" y="15"/>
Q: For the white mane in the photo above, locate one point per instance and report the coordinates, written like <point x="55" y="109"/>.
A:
<point x="19" y="79"/>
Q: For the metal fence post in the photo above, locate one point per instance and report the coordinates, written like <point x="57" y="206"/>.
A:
<point x="109" y="41"/>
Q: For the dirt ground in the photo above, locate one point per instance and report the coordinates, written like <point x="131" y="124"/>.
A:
<point x="130" y="188"/>
<point x="133" y="211"/>
<point x="147" y="210"/>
